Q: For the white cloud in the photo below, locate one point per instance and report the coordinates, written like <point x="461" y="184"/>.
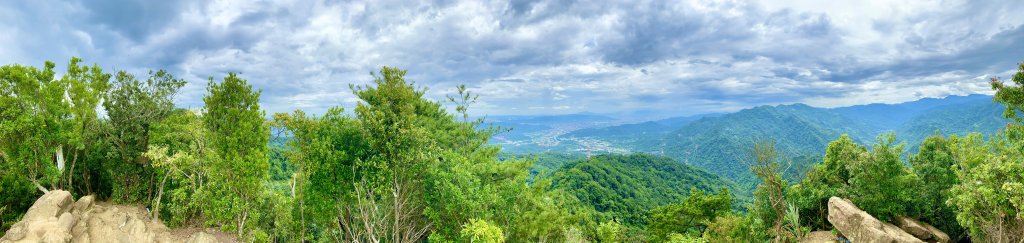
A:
<point x="544" y="56"/>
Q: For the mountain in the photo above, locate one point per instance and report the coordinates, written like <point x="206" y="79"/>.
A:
<point x="982" y="115"/>
<point x="888" y="117"/>
<point x="626" y="187"/>
<point x="721" y="144"/>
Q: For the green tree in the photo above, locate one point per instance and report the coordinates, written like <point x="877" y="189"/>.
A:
<point x="831" y="178"/>
<point x="610" y="231"/>
<point x="770" y="196"/>
<point x="989" y="201"/>
<point x="238" y="135"/>
<point x="179" y="149"/>
<point x="689" y="217"/>
<point x="881" y="184"/>
<point x="1011" y="95"/>
<point x="85" y="88"/>
<point x="133" y="108"/>
<point x="42" y="115"/>
<point x="482" y="231"/>
<point x="933" y="165"/>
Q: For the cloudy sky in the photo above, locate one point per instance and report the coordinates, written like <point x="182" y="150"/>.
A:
<point x="541" y="57"/>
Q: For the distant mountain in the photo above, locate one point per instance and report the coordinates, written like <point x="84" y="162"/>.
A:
<point x="889" y="117"/>
<point x="721" y="144"/>
<point x="981" y="115"/>
<point x="626" y="187"/>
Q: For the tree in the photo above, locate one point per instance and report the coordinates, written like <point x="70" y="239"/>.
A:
<point x="1011" y="95"/>
<point x="85" y="88"/>
<point x="238" y="135"/>
<point x="691" y="216"/>
<point x="989" y="200"/>
<point x="482" y="231"/>
<point x="41" y="116"/>
<point x="880" y="183"/>
<point x="825" y="180"/>
<point x="933" y="165"/>
<point x="179" y="149"/>
<point x="770" y="196"/>
<point x="133" y="108"/>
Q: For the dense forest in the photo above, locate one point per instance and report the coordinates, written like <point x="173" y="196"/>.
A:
<point x="399" y="167"/>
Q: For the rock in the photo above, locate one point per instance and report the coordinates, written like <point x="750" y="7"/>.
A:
<point x="56" y="217"/>
<point x="938" y="235"/>
<point x="51" y="204"/>
<point x="859" y="226"/>
<point x="83" y="204"/>
<point x="921" y="230"/>
<point x="913" y="228"/>
<point x="819" y="237"/>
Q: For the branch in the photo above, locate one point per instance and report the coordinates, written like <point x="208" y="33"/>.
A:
<point x="40" y="187"/>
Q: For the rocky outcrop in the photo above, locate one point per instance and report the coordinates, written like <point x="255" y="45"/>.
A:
<point x="56" y="217"/>
<point x="859" y="226"/>
<point x="923" y="231"/>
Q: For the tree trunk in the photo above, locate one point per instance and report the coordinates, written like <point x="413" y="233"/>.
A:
<point x="159" y="195"/>
<point x="71" y="171"/>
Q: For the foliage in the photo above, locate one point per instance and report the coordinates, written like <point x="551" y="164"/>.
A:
<point x="610" y="231"/>
<point x="681" y="238"/>
<point x="626" y="187"/>
<point x="733" y="228"/>
<point x="989" y="200"/>
<point x="691" y="216"/>
<point x="933" y="165"/>
<point x="880" y="184"/>
<point x="1011" y="95"/>
<point x="482" y="231"/>
<point x="408" y="168"/>
<point x="770" y="196"/>
<point x="133" y="107"/>
<point x="238" y="137"/>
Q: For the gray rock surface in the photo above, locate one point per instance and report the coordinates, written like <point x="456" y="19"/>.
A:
<point x="859" y="226"/>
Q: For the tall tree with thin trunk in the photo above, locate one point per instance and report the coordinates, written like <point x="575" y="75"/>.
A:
<point x="238" y="135"/>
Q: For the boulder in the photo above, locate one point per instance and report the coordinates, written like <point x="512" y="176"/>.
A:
<point x="56" y="217"/>
<point x="923" y="231"/>
<point x="859" y="226"/>
<point x="51" y="204"/>
<point x="83" y="204"/>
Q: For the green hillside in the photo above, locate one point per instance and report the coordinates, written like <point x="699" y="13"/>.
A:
<point x="626" y="187"/>
<point x="719" y="144"/>
<point x="984" y="116"/>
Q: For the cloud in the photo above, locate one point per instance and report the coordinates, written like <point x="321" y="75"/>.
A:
<point x="541" y="57"/>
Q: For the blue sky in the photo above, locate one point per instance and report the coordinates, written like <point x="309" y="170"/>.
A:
<point x="541" y="57"/>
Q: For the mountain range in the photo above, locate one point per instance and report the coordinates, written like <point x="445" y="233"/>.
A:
<point x="719" y="143"/>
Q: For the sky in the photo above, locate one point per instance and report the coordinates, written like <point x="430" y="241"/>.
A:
<point x="540" y="57"/>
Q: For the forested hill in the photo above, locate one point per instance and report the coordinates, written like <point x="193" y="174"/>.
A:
<point x="716" y="144"/>
<point x="884" y="117"/>
<point x="626" y="187"/>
